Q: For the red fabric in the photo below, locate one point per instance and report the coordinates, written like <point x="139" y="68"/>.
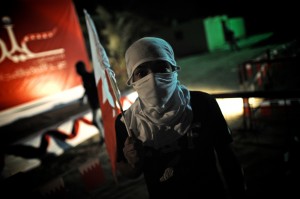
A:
<point x="54" y="189"/>
<point x="109" y="115"/>
<point x="39" y="46"/>
<point x="61" y="135"/>
<point x="92" y="175"/>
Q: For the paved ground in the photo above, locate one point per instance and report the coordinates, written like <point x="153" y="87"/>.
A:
<point x="269" y="152"/>
<point x="263" y="153"/>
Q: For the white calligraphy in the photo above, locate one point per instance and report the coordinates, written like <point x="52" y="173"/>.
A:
<point x="21" y="52"/>
<point x="32" y="70"/>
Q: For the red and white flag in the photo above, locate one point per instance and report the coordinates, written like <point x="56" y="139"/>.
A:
<point x="108" y="92"/>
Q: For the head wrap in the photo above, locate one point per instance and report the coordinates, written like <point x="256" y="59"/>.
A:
<point x="147" y="49"/>
<point x="160" y="122"/>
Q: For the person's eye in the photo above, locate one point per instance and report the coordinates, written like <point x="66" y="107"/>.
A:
<point x="166" y="69"/>
<point x="169" y="69"/>
<point x="141" y="73"/>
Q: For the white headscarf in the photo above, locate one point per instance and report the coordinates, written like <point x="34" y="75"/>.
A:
<point x="147" y="49"/>
<point x="157" y="126"/>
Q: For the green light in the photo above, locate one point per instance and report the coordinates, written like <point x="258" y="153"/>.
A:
<point x="237" y="26"/>
<point x="214" y="32"/>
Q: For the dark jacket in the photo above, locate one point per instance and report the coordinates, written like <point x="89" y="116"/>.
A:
<point x="196" y="173"/>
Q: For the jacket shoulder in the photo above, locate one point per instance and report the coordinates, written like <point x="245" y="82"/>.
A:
<point x="200" y="96"/>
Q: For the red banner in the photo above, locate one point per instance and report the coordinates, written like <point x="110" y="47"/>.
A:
<point x="40" y="43"/>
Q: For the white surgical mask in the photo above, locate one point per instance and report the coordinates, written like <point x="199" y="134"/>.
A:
<point x="156" y="89"/>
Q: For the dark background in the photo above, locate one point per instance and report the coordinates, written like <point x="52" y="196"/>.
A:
<point x="260" y="16"/>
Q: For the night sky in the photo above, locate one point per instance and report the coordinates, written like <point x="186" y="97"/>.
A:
<point x="259" y="15"/>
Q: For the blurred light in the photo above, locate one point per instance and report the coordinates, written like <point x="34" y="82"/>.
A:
<point x="231" y="107"/>
<point x="49" y="88"/>
<point x="128" y="99"/>
<point x="255" y="102"/>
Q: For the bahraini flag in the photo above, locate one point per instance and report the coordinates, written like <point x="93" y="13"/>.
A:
<point x="108" y="95"/>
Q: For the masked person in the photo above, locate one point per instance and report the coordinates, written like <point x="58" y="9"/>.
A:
<point x="180" y="140"/>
